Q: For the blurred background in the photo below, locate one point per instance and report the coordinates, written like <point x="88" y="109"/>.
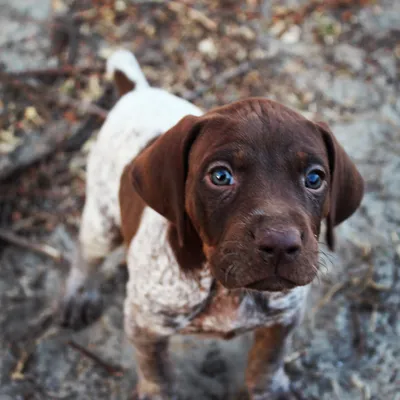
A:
<point x="334" y="60"/>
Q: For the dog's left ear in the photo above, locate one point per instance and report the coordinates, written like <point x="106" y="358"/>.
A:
<point x="347" y="185"/>
<point x="159" y="173"/>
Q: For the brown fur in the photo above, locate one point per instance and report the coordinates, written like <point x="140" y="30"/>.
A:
<point x="131" y="206"/>
<point x="271" y="144"/>
<point x="123" y="84"/>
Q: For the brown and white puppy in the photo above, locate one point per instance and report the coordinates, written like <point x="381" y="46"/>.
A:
<point x="220" y="216"/>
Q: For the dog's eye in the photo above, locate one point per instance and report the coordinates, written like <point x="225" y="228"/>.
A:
<point x="221" y="176"/>
<point x="314" y="179"/>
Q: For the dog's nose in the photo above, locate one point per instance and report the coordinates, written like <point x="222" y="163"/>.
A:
<point x="279" y="245"/>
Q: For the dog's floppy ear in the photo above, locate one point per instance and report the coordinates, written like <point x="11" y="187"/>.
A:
<point x="159" y="172"/>
<point x="347" y="185"/>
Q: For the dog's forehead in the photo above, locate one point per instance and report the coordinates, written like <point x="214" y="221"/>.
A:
<point x="259" y="125"/>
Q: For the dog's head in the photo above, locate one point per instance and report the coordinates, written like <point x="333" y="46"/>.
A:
<point x="250" y="182"/>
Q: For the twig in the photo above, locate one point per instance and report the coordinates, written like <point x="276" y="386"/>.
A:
<point x="90" y="108"/>
<point x="37" y="147"/>
<point x="193" y="14"/>
<point x="29" y="222"/>
<point x="30" y="91"/>
<point x="299" y="14"/>
<point x="58" y="71"/>
<point x="294" y="356"/>
<point x="111" y="369"/>
<point x="90" y="124"/>
<point x="65" y="37"/>
<point x="358" y="336"/>
<point x="362" y="386"/>
<point x="87" y="107"/>
<point x="328" y="296"/>
<point x="44" y="249"/>
<point x="221" y="79"/>
<point x="18" y="371"/>
<point x="116" y="258"/>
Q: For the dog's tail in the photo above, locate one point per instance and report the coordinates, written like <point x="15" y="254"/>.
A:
<point x="125" y="69"/>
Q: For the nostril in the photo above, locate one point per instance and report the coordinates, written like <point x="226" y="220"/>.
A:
<point x="268" y="249"/>
<point x="292" y="250"/>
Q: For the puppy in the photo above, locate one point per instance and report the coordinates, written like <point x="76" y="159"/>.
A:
<point x="220" y="213"/>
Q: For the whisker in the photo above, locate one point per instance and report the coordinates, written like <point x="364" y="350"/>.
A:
<point x="230" y="269"/>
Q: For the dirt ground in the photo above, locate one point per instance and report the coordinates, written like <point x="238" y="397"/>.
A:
<point x="336" y="61"/>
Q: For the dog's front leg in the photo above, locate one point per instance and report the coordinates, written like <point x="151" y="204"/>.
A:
<point x="155" y="376"/>
<point x="265" y="376"/>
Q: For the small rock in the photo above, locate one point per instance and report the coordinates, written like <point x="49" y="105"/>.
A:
<point x="241" y="54"/>
<point x="292" y="35"/>
<point x="258" y="54"/>
<point x="241" y="31"/>
<point x="208" y="47"/>
<point x="277" y="28"/>
<point x="350" y="55"/>
<point x="387" y="61"/>
<point x="120" y="6"/>
<point x="355" y="93"/>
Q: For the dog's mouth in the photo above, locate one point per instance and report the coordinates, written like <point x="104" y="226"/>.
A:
<point x="273" y="284"/>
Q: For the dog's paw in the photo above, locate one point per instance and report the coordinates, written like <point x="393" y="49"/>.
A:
<point x="80" y="305"/>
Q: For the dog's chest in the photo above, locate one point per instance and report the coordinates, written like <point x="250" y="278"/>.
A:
<point x="161" y="298"/>
<point x="231" y="312"/>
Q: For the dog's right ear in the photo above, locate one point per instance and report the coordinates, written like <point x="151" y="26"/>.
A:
<point x="159" y="172"/>
<point x="347" y="184"/>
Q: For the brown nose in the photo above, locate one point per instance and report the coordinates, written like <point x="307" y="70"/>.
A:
<point x="279" y="246"/>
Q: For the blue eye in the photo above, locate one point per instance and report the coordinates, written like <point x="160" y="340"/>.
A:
<point x="221" y="177"/>
<point x="314" y="179"/>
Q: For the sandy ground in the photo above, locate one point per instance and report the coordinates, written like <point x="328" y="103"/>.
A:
<point x="340" y="65"/>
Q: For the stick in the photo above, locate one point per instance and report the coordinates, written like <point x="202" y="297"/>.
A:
<point x="44" y="249"/>
<point x="111" y="369"/>
<point x="193" y="14"/>
<point x="60" y="71"/>
<point x="328" y="296"/>
<point x="18" y="371"/>
<point x="114" y="259"/>
<point x="62" y="99"/>
<point x="88" y="107"/>
<point x="90" y="124"/>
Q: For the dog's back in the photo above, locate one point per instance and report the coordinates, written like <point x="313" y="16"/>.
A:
<point x="139" y="116"/>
